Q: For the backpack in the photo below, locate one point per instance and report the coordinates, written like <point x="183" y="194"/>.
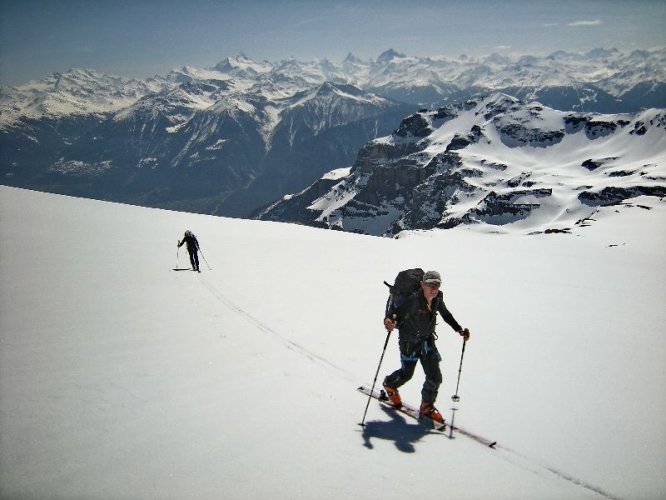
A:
<point x="406" y="283"/>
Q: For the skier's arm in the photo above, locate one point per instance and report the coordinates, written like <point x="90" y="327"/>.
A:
<point x="392" y="316"/>
<point x="391" y="319"/>
<point x="451" y="321"/>
<point x="395" y="314"/>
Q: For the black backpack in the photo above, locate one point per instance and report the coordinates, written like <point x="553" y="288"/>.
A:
<point x="405" y="284"/>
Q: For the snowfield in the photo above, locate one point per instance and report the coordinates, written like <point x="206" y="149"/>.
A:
<point x="122" y="378"/>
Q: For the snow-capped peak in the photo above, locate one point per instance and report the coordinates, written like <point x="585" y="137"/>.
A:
<point x="243" y="65"/>
<point x="74" y="92"/>
<point x="389" y="56"/>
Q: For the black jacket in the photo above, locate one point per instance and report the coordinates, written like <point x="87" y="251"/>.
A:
<point x="416" y="321"/>
<point x="191" y="242"/>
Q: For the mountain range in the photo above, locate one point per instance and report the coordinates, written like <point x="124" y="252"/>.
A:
<point x="232" y="139"/>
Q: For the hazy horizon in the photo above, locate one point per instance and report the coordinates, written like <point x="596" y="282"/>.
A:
<point x="148" y="37"/>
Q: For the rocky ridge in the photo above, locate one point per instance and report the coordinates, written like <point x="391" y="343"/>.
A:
<point x="491" y="161"/>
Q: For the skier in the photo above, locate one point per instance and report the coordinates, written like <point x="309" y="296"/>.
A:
<point x="415" y="317"/>
<point x="192" y="248"/>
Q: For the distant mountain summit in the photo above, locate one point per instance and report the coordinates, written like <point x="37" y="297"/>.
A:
<point x="388" y="56"/>
<point x="235" y="137"/>
<point x="495" y="161"/>
<point x="241" y="65"/>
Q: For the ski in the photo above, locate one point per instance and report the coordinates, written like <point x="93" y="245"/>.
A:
<point x="405" y="408"/>
<point x="414" y="413"/>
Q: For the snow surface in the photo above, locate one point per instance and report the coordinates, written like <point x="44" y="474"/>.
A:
<point x="337" y="174"/>
<point x="122" y="378"/>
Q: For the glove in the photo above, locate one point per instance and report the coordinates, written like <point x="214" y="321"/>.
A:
<point x="464" y="333"/>
<point x="389" y="324"/>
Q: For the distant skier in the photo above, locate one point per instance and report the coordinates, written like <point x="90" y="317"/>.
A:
<point x="192" y="248"/>
<point x="415" y="318"/>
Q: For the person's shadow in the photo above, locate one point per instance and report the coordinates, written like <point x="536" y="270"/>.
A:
<point x="403" y="434"/>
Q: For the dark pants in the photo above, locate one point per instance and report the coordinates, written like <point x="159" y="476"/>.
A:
<point x="426" y="352"/>
<point x="194" y="259"/>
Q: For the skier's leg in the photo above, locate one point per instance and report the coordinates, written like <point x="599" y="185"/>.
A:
<point x="409" y="355"/>
<point x="430" y="363"/>
<point x="196" y="259"/>
<point x="401" y="375"/>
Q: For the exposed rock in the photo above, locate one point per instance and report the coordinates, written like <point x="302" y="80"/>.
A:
<point x="616" y="195"/>
<point x="515" y="135"/>
<point x="415" y="125"/>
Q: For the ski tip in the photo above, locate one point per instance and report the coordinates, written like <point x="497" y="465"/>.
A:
<point x="492" y="445"/>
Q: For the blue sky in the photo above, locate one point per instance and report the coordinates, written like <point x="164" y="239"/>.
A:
<point x="147" y="37"/>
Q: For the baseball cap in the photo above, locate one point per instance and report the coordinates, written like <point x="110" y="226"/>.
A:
<point x="432" y="277"/>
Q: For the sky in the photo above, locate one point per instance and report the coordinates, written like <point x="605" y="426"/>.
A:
<point x="141" y="38"/>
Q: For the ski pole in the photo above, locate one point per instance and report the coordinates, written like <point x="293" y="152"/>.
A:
<point x="362" y="424"/>
<point x="204" y="258"/>
<point x="177" y="260"/>
<point x="455" y="397"/>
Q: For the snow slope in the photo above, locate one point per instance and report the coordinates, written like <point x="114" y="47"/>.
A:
<point x="122" y="378"/>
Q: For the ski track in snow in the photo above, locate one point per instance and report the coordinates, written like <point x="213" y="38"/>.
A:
<point x="289" y="344"/>
<point x="542" y="470"/>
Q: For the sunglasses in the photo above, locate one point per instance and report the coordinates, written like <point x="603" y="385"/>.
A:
<point x="433" y="285"/>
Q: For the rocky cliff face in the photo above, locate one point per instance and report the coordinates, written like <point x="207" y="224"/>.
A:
<point x="495" y="161"/>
